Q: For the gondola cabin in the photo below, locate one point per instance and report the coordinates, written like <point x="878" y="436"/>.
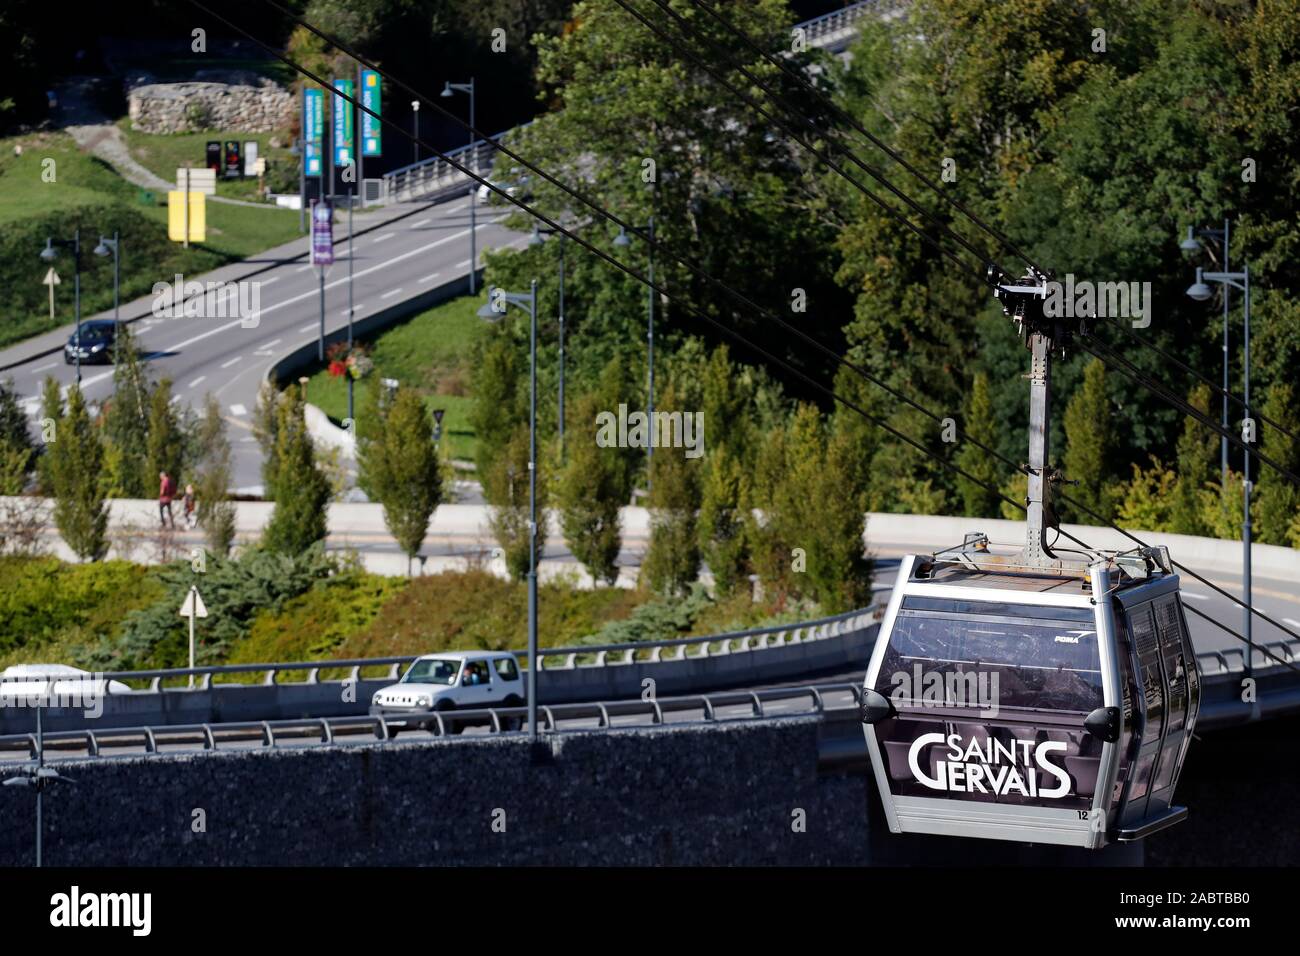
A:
<point x="1032" y="705"/>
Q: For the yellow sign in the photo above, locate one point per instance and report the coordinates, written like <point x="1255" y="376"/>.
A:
<point x="176" y="216"/>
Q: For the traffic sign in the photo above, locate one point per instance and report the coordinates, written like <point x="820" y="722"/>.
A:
<point x="322" y="233"/>
<point x="51" y="279"/>
<point x="200" y="180"/>
<point x="193" y="605"/>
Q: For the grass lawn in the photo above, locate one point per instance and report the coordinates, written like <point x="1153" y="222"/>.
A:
<point x="164" y="154"/>
<point x="429" y="352"/>
<point x="78" y="178"/>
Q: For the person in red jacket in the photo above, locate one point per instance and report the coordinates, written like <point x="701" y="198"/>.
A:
<point x="166" y="492"/>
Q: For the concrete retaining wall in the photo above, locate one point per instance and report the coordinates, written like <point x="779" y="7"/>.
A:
<point x="688" y="795"/>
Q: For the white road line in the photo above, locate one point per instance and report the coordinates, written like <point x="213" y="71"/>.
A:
<point x="238" y="358"/>
<point x="1196" y="597"/>
<point x="392" y="260"/>
<point x="1292" y="621"/>
<point x="268" y="281"/>
<point x="238" y="409"/>
<point x="387" y="235"/>
<point x="462" y="264"/>
<point x="307" y="328"/>
<point x="417" y="225"/>
<point x="430" y="277"/>
<point x="303" y="268"/>
<point x="389" y="295"/>
<point x="196" y="381"/>
<point x="37" y="371"/>
<point x="269" y="345"/>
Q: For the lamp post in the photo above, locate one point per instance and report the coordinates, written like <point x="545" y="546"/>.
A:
<point x="536" y="240"/>
<point x="498" y="301"/>
<point x="113" y="247"/>
<point x="449" y="89"/>
<point x="1191" y="245"/>
<point x="1201" y="292"/>
<point x="622" y="240"/>
<point x="415" y="131"/>
<point x="49" y="254"/>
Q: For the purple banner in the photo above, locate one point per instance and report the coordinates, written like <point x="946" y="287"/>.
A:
<point x="322" y="233"/>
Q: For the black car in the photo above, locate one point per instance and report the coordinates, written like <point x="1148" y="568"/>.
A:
<point x="95" y="344"/>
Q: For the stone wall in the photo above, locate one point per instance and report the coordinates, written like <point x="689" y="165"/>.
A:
<point x="237" y="102"/>
<point x="686" y="795"/>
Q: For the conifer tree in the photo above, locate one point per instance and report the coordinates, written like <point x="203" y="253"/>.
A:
<point x="76" y="459"/>
<point x="1196" y="452"/>
<point x="672" y="562"/>
<point x="302" y="490"/>
<point x="1088" y="445"/>
<point x="216" y="512"/>
<point x="506" y="488"/>
<point x="979" y="498"/>
<point x="1277" y="504"/>
<point x="723" y="507"/>
<point x="591" y="487"/>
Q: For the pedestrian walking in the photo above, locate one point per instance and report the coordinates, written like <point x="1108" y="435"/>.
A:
<point x="190" y="508"/>
<point x="166" y="492"/>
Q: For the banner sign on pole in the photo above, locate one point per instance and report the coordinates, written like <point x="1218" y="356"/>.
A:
<point x="313" y="128"/>
<point x="176" y="216"/>
<point x="214" y="155"/>
<point x="343" y="128"/>
<point x="322" y="233"/>
<point x="372" y="142"/>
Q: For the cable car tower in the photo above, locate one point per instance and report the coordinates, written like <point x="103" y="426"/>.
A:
<point x="1030" y="694"/>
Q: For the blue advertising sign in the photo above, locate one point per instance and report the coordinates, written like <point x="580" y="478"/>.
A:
<point x="313" y="127"/>
<point x="322" y="233"/>
<point x="372" y="140"/>
<point x="343" y="125"/>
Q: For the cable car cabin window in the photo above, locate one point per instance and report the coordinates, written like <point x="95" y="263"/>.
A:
<point x="984" y="654"/>
<point x="1146" y="644"/>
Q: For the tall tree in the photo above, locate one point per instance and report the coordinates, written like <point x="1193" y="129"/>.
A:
<point x="672" y="562"/>
<point x="165" y="450"/>
<point x="1088" y="440"/>
<point x="979" y="498"/>
<point x="126" y="422"/>
<point x="1197" y="452"/>
<point x="216" y="511"/>
<point x="302" y="492"/>
<point x="266" y="427"/>
<point x="591" y="488"/>
<point x="506" y="488"/>
<point x="401" y="465"/>
<point x="1278" y="501"/>
<point x="17" y="451"/>
<point x="76" y="460"/>
<point x="497" y="408"/>
<point x="723" y="507"/>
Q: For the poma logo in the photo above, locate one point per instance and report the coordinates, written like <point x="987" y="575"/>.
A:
<point x="1085" y="300"/>
<point x="931" y="688"/>
<point x="991" y="766"/>
<point x="638" y="430"/>
<point x="210" y="300"/>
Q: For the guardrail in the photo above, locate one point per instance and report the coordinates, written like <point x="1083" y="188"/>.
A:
<point x="571" y="674"/>
<point x="842" y="698"/>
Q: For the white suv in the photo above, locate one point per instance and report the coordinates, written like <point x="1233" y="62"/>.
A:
<point x="453" y="680"/>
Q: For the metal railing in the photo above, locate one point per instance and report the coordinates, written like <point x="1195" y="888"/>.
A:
<point x="841" y="699"/>
<point x="568" y="658"/>
<point x="819" y="29"/>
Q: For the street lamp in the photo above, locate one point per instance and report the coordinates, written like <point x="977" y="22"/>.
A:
<point x="1200" y="292"/>
<point x="493" y="311"/>
<point x="450" y="89"/>
<point x="536" y="240"/>
<point x="49" y="254"/>
<point x="622" y="241"/>
<point x="113" y="247"/>
<point x="415" y="131"/>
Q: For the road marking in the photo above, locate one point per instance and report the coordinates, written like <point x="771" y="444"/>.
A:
<point x="271" y="344"/>
<point x="268" y="281"/>
<point x="196" y="381"/>
<point x="1292" y="621"/>
<point x="238" y="409"/>
<point x="1196" y="597"/>
<point x="37" y="371"/>
<point x="387" y="235"/>
<point x="462" y="264"/>
<point x="389" y="295"/>
<point x="238" y="358"/>
<point x="303" y="268"/>
<point x="307" y="328"/>
<point x="430" y="277"/>
<point x="417" y="225"/>
<point x="392" y="260"/>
